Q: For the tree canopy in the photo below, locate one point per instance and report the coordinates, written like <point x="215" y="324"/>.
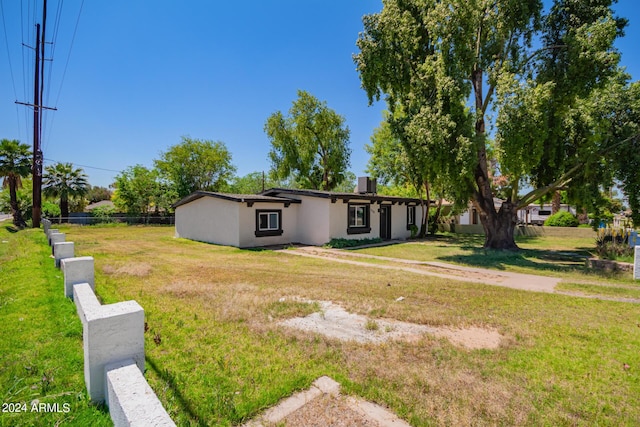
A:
<point x="139" y="191"/>
<point x="196" y="164"/>
<point x="64" y="181"/>
<point x="311" y="143"/>
<point x="15" y="164"/>
<point x="448" y="65"/>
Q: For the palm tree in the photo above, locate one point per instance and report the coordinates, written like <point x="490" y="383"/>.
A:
<point x="63" y="181"/>
<point x="14" y="165"/>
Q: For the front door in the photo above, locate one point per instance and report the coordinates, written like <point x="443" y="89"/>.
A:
<point x="385" y="222"/>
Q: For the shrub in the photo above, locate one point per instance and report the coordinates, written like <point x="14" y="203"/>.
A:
<point x="50" y="210"/>
<point x="562" y="219"/>
<point x="103" y="213"/>
<point x="350" y="243"/>
<point x="613" y="243"/>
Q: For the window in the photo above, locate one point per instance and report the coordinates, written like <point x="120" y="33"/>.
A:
<point x="268" y="223"/>
<point x="358" y="219"/>
<point x="411" y="216"/>
<point x="544" y="213"/>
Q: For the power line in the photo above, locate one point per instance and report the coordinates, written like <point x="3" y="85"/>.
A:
<point x="73" y="38"/>
<point x="84" y="166"/>
<point x="66" y="65"/>
<point x="6" y="43"/>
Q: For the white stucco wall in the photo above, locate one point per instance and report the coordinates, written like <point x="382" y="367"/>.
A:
<point x="339" y="220"/>
<point x="399" y="221"/>
<point x="211" y="220"/>
<point x="465" y="218"/>
<point x="313" y="220"/>
<point x="247" y="230"/>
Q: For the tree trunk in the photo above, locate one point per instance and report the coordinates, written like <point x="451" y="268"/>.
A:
<point x="426" y="205"/>
<point x="555" y="202"/>
<point x="436" y="217"/>
<point x="18" y="221"/>
<point x="499" y="227"/>
<point x="422" y="231"/>
<point x="583" y="217"/>
<point x="64" y="207"/>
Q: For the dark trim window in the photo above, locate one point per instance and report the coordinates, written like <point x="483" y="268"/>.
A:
<point x="358" y="221"/>
<point x="411" y="216"/>
<point x="544" y="213"/>
<point x="268" y="222"/>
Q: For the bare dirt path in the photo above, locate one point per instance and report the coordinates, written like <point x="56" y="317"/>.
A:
<point x="527" y="282"/>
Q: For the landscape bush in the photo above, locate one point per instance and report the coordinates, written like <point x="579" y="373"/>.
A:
<point x="350" y="243"/>
<point x="613" y="244"/>
<point x="50" y="210"/>
<point x="562" y="219"/>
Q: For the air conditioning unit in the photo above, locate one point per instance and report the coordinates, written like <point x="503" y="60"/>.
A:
<point x="366" y="185"/>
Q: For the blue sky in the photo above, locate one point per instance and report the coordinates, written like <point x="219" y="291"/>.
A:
<point x="141" y="74"/>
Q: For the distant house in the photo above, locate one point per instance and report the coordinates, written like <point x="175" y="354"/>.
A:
<point x="534" y="214"/>
<point x="281" y="216"/>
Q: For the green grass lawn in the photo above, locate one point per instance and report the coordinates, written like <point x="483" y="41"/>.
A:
<point x="216" y="355"/>
<point x="561" y="257"/>
<point x="41" y="356"/>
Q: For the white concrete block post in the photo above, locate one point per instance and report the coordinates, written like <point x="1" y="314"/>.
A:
<point x="77" y="270"/>
<point x="46" y="225"/>
<point x="57" y="238"/>
<point x="63" y="250"/>
<point x="131" y="401"/>
<point x="110" y="333"/>
<point x="51" y="231"/>
<point x="636" y="263"/>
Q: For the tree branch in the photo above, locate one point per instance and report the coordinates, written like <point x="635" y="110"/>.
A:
<point x="566" y="177"/>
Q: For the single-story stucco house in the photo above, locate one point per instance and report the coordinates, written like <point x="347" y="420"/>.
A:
<point x="281" y="216"/>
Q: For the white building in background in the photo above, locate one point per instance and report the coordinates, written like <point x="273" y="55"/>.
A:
<point x="281" y="216"/>
<point x="537" y="214"/>
<point x="534" y="214"/>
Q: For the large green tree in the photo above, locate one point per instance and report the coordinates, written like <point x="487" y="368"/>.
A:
<point x="15" y="164"/>
<point x="140" y="191"/>
<point x="395" y="160"/>
<point x="196" y="164"/>
<point x="97" y="194"/>
<point x="63" y="181"/>
<point x="311" y="143"/>
<point x="449" y="64"/>
<point x="253" y="183"/>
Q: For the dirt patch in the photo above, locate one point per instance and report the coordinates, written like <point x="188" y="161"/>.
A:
<point x="324" y="405"/>
<point x="328" y="411"/>
<point x="136" y="269"/>
<point x="473" y="338"/>
<point x="335" y="322"/>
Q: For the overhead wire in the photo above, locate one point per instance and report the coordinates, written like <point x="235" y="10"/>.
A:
<point x="84" y="166"/>
<point x="47" y="115"/>
<point x="6" y="42"/>
<point x="25" y="68"/>
<point x="66" y="65"/>
<point x="13" y="80"/>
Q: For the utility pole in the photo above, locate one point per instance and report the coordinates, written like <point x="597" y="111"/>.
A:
<point x="38" y="90"/>
<point x="36" y="171"/>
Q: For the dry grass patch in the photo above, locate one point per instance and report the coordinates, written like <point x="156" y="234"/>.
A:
<point x="221" y="357"/>
<point x="136" y="269"/>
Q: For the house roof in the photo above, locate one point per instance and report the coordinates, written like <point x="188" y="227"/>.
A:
<point x="240" y="198"/>
<point x="334" y="196"/>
